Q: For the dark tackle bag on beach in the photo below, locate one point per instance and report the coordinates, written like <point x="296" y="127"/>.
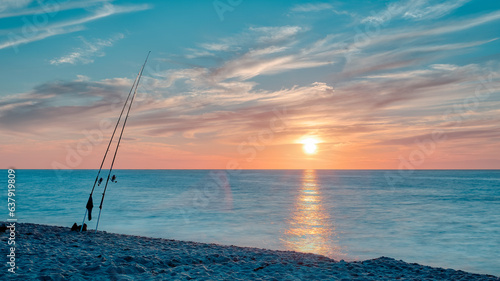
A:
<point x="77" y="227"/>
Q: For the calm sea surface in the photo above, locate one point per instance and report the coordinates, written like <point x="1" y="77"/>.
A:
<point x="445" y="218"/>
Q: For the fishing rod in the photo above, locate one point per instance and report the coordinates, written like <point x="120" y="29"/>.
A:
<point x="119" y="140"/>
<point x="90" y="204"/>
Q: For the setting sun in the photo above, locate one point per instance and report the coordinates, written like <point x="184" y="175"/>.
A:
<point x="310" y="146"/>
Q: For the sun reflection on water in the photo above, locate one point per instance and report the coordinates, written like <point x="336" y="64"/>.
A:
<point x="310" y="227"/>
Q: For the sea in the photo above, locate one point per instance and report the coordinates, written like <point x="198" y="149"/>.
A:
<point x="441" y="218"/>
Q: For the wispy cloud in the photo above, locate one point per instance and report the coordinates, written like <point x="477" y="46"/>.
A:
<point x="15" y="41"/>
<point x="86" y="53"/>
<point x="274" y="35"/>
<point x="271" y="50"/>
<point x="403" y="46"/>
<point x="6" y="5"/>
<point x="103" y="11"/>
<point x="311" y="7"/>
<point x="316" y="7"/>
<point x="275" y="51"/>
<point x="416" y="10"/>
<point x="77" y="98"/>
<point x="253" y="37"/>
<point x="402" y="56"/>
<point x="378" y="108"/>
<point x="18" y="36"/>
<point x="21" y="9"/>
<point x="425" y="10"/>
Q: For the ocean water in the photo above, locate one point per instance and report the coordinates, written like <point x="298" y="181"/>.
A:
<point x="444" y="218"/>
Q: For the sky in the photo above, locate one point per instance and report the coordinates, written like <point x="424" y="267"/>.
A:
<point x="239" y="84"/>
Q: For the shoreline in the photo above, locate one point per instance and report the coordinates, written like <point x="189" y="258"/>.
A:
<point x="56" y="253"/>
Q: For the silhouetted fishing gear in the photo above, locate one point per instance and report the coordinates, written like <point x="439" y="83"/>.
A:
<point x="90" y="205"/>
<point x="119" y="140"/>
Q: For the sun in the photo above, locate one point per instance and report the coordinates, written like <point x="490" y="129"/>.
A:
<point x="309" y="146"/>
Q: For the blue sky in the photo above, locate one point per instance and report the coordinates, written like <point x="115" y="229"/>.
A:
<point x="368" y="80"/>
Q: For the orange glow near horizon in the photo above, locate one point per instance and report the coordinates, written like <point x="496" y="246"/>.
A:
<point x="283" y="152"/>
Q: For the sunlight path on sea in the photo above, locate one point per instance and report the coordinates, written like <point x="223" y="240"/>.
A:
<point x="310" y="228"/>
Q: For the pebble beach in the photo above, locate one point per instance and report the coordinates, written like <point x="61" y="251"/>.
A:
<point x="45" y="252"/>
